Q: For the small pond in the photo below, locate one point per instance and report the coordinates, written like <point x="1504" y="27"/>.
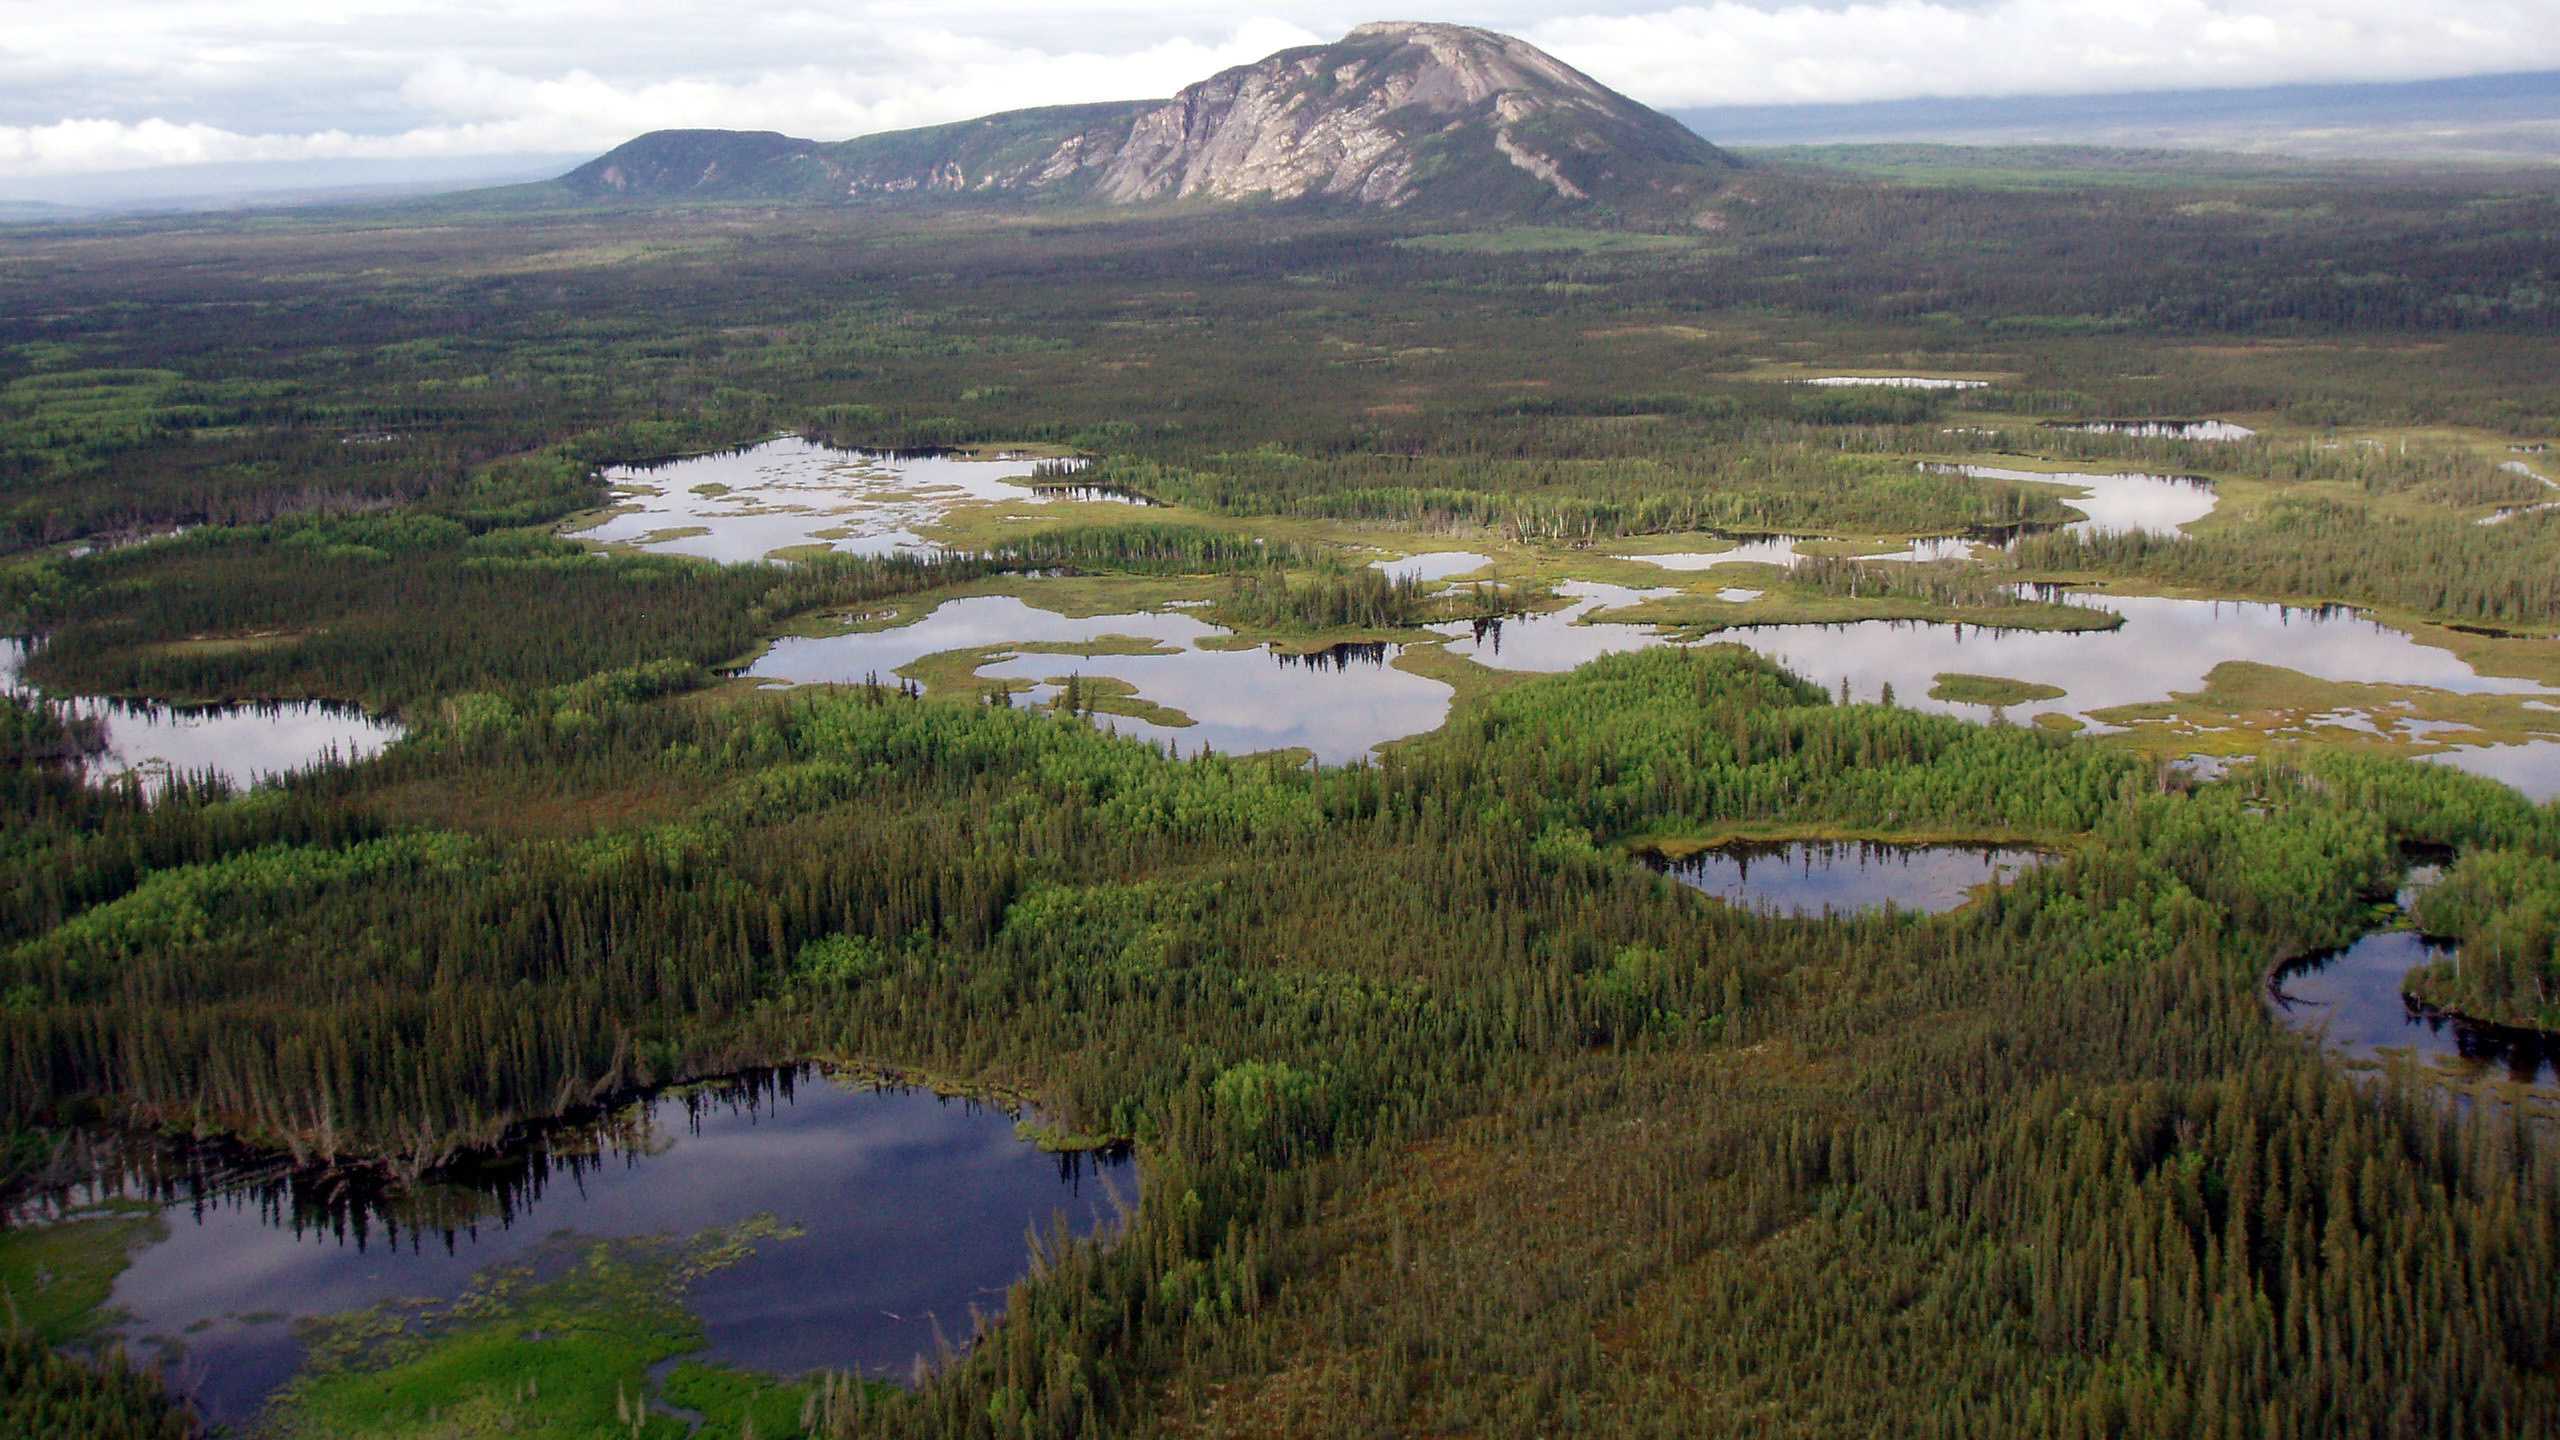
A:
<point x="2116" y="504"/>
<point x="911" y="1208"/>
<point x="245" y="744"/>
<point x="747" y="504"/>
<point x="1437" y="565"/>
<point x="1338" y="704"/>
<point x="1779" y="550"/>
<point x="1557" y="640"/>
<point x="1828" y="877"/>
<point x="2162" y="429"/>
<point x="2351" y="1001"/>
<point x="1901" y="382"/>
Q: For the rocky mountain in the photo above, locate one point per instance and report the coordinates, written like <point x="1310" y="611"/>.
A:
<point x="1440" y="117"/>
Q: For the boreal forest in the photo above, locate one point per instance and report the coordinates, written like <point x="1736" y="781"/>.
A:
<point x="1929" y="809"/>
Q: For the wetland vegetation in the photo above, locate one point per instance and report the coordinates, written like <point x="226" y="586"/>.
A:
<point x="1443" y="1115"/>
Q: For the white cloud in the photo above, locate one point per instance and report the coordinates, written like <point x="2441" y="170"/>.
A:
<point x="118" y="84"/>
<point x="1739" y="53"/>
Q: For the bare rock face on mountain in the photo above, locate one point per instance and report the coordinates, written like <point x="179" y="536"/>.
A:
<point x="1395" y="114"/>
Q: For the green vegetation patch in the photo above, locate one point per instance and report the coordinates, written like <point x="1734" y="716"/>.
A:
<point x="1962" y="689"/>
<point x="561" y="1346"/>
<point x="2246" y="706"/>
<point x="2504" y="906"/>
<point x="57" y="1276"/>
<point x="1081" y="694"/>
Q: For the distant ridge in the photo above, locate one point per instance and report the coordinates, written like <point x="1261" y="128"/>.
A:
<point x="2481" y="117"/>
<point x="1394" y="114"/>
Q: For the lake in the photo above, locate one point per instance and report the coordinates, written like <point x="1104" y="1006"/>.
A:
<point x="2164" y="645"/>
<point x="2114" y="504"/>
<point x="1436" y="565"/>
<point x="2162" y="429"/>
<point x="1824" y="877"/>
<point x="913" y="1207"/>
<point x="1338" y="706"/>
<point x="244" y="744"/>
<point x="2350" y="1000"/>
<point x="790" y="493"/>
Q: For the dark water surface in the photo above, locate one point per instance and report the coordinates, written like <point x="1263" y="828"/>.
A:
<point x="2351" y="1000"/>
<point x="914" y="1206"/>
<point x="1817" y="877"/>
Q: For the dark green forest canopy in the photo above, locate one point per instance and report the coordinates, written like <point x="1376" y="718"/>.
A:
<point x="1455" y="1118"/>
<point x="1450" y="955"/>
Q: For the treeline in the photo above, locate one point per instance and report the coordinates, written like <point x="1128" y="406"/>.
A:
<point x="1149" y="547"/>
<point x="1340" y="600"/>
<point x="397" y="611"/>
<point x="47" y="1395"/>
<point x="1547" y="500"/>
<point x="1975" y="588"/>
<point x="2504" y="907"/>
<point x="394" y="611"/>
<point x="2321" y="550"/>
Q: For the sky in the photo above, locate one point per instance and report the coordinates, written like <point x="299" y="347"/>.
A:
<point x="109" y="85"/>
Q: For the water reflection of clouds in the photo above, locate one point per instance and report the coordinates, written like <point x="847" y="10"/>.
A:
<point x="2121" y="504"/>
<point x="2533" y="767"/>
<point x="1436" y="565"/>
<point x="2165" y="645"/>
<point x="1827" y="877"/>
<point x="1779" y="550"/>
<point x="1239" y="701"/>
<point x="792" y="492"/>
<point x="912" y="1206"/>
<point x="246" y="744"/>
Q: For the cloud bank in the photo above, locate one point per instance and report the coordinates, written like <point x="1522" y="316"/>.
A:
<point x="123" y="84"/>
